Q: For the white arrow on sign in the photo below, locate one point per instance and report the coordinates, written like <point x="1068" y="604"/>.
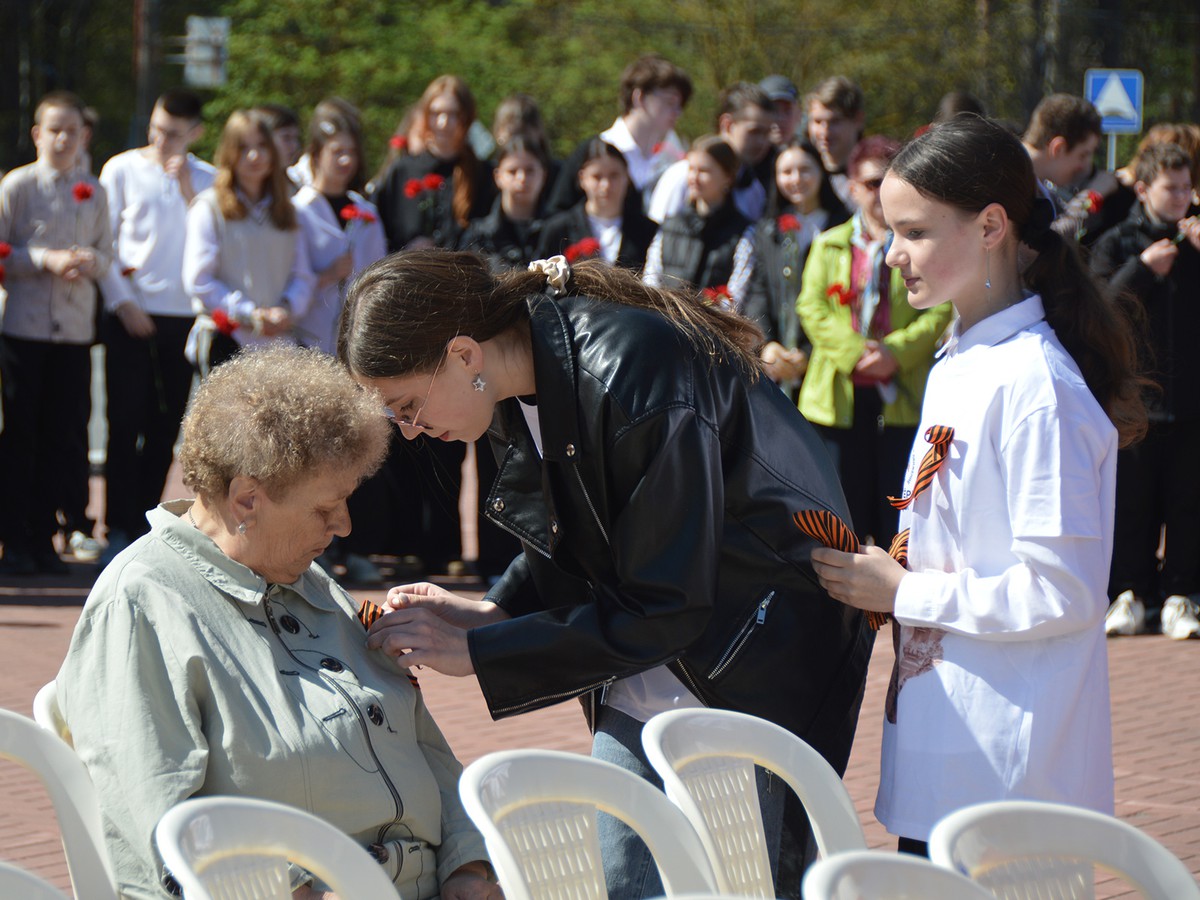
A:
<point x="1113" y="101"/>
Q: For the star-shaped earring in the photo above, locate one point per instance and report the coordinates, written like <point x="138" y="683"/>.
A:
<point x="479" y="384"/>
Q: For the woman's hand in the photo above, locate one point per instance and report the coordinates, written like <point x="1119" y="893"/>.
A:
<point x="462" y="612"/>
<point x="338" y="270"/>
<point x="272" y="321"/>
<point x="468" y="882"/>
<point x="867" y="580"/>
<point x="876" y="362"/>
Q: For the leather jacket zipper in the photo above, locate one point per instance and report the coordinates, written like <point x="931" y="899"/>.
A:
<point x="587" y="498"/>
<point x="752" y="625"/>
<point x="362" y="722"/>
<point x="554" y="698"/>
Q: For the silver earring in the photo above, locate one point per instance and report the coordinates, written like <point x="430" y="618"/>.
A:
<point x="241" y="527"/>
<point x="479" y="384"/>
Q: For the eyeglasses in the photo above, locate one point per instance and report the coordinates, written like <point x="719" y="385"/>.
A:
<point x="411" y="422"/>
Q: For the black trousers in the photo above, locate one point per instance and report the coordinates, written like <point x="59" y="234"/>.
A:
<point x="1158" y="483"/>
<point x="43" y="447"/>
<point x="870" y="458"/>
<point x="148" y="382"/>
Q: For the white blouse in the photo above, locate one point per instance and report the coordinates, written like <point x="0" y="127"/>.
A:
<point x="1003" y="671"/>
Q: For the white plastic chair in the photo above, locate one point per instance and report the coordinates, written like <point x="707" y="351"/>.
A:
<point x="537" y="812"/>
<point x="706" y="759"/>
<point x="1025" y="848"/>
<point x="73" y="796"/>
<point x="46" y="712"/>
<point x="16" y="882"/>
<point x="877" y="875"/>
<point x="221" y="848"/>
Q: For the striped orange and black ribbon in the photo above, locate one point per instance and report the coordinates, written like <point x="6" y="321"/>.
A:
<point x="369" y="614"/>
<point x="831" y="531"/>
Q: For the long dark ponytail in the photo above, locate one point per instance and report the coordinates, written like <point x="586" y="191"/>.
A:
<point x="402" y="311"/>
<point x="970" y="162"/>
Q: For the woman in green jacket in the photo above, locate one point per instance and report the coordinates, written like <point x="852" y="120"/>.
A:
<point x="871" y="351"/>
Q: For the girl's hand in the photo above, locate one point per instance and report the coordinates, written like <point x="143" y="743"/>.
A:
<point x="418" y="637"/>
<point x="273" y="320"/>
<point x="867" y="580"/>
<point x="462" y="612"/>
<point x="338" y="270"/>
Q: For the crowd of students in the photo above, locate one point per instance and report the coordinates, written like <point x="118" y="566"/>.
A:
<point x="775" y="214"/>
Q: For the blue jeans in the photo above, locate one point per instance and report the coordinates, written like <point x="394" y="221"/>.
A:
<point x="629" y="870"/>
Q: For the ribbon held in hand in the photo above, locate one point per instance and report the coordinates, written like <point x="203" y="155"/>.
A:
<point x="828" y="529"/>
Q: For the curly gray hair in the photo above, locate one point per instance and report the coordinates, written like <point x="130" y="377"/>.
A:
<point x="279" y="415"/>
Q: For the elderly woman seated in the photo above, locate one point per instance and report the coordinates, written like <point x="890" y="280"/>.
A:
<point x="214" y="657"/>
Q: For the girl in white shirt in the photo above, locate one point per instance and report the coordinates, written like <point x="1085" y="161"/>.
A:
<point x="1001" y="682"/>
<point x="243" y="263"/>
<point x="341" y="229"/>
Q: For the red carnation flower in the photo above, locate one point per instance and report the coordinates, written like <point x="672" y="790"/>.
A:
<point x="1095" y="202"/>
<point x="842" y="293"/>
<point x="82" y="191"/>
<point x="2" y="273"/>
<point x="349" y="213"/>
<point x="5" y="249"/>
<point x="433" y="181"/>
<point x="787" y="222"/>
<point x="412" y="188"/>
<point x="717" y="296"/>
<point x="398" y="142"/>
<point x="658" y="148"/>
<point x="589" y="246"/>
<point x="224" y="324"/>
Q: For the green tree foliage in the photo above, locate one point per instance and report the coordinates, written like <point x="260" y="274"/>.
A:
<point x="569" y="54"/>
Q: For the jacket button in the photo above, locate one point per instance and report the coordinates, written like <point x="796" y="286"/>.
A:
<point x="554" y="526"/>
<point x="570" y="449"/>
<point x="379" y="853"/>
<point x="290" y="625"/>
<point x="498" y="505"/>
<point x="787" y="271"/>
<point x="330" y="664"/>
<point x="375" y="713"/>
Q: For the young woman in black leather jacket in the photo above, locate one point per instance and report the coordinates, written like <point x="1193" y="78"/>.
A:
<point x="651" y="474"/>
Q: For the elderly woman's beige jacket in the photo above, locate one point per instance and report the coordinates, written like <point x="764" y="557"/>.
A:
<point x="188" y="675"/>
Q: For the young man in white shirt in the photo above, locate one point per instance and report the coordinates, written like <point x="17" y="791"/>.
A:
<point x="54" y="221"/>
<point x="654" y="92"/>
<point x="149" y="312"/>
<point x="744" y="119"/>
<point x="836" y="116"/>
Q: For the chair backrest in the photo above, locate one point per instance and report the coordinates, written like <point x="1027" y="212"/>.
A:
<point x="885" y="876"/>
<point x="47" y="713"/>
<point x="16" y="882"/>
<point x="237" y="847"/>
<point x="1025" y="848"/>
<point x="73" y="796"/>
<point x="537" y="812"/>
<point x="706" y="759"/>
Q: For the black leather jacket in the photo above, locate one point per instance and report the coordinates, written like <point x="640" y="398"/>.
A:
<point x="657" y="529"/>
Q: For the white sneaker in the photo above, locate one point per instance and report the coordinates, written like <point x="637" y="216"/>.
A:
<point x="1126" y="616"/>
<point x="84" y="548"/>
<point x="1179" y="618"/>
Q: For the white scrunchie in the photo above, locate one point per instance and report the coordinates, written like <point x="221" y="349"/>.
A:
<point x="557" y="271"/>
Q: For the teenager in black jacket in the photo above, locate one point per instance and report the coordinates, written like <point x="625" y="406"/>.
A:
<point x="710" y="245"/>
<point x="601" y="224"/>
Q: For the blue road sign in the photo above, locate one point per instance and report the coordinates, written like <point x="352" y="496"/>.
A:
<point x="1117" y="95"/>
